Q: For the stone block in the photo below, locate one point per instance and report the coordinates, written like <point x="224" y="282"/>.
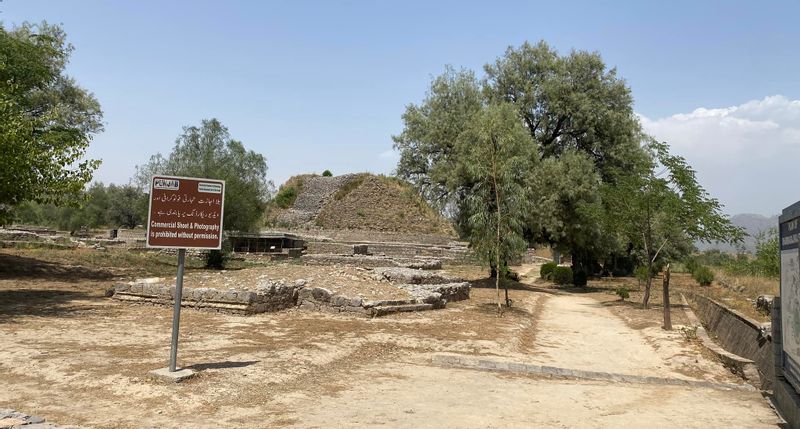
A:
<point x="246" y="296"/>
<point x="321" y="294"/>
<point x="231" y="295"/>
<point x="339" y="300"/>
<point x="304" y="294"/>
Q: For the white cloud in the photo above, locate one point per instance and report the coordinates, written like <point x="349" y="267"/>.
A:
<point x="746" y="155"/>
<point x="389" y="154"/>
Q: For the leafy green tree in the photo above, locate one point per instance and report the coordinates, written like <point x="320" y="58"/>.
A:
<point x="496" y="157"/>
<point x="580" y="117"/>
<point x="768" y="255"/>
<point x="432" y="129"/>
<point x="127" y="206"/>
<point x="568" y="103"/>
<point x="568" y="212"/>
<point x="571" y="105"/>
<point x="661" y="209"/>
<point x="46" y="120"/>
<point x="208" y="151"/>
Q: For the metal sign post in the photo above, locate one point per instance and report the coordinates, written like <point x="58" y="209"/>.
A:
<point x="176" y="315"/>
<point x="185" y="213"/>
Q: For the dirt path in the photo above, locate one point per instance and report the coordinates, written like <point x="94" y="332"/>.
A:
<point x="580" y="333"/>
<point x="404" y="395"/>
<point x="75" y="357"/>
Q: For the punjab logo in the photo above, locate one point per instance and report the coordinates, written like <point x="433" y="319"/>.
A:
<point x="168" y="184"/>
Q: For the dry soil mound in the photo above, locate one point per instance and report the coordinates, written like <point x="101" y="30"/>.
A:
<point x="355" y="201"/>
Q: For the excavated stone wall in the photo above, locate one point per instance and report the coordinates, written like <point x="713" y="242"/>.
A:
<point x="428" y="291"/>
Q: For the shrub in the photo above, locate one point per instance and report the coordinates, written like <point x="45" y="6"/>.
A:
<point x="641" y="274"/>
<point x="703" y="275"/>
<point x="580" y="277"/>
<point x="562" y="275"/>
<point x="327" y="173"/>
<point x="691" y="265"/>
<point x="217" y="259"/>
<point x="547" y="269"/>
<point x="285" y="197"/>
<point x="623" y="293"/>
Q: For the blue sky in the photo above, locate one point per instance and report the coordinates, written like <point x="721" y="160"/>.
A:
<point x="322" y="85"/>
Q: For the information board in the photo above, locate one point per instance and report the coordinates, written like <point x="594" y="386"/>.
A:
<point x="790" y="292"/>
<point x="185" y="213"/>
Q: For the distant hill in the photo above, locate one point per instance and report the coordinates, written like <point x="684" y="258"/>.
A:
<point x="360" y="201"/>
<point x="752" y="224"/>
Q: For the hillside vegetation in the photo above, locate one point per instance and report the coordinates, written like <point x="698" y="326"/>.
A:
<point x="354" y="201"/>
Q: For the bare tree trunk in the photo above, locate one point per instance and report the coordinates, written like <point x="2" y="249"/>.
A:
<point x="646" y="299"/>
<point x="667" y="318"/>
<point x="497" y="248"/>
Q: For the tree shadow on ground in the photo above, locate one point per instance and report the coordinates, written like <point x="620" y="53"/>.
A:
<point x="638" y="305"/>
<point x="42" y="303"/>
<point x="489" y="283"/>
<point x="492" y="309"/>
<point x="21" y="267"/>
<point x="222" y="365"/>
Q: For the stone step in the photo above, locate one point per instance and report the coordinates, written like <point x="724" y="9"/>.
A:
<point x="383" y="310"/>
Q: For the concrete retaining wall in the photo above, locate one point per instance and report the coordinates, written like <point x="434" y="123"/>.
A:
<point x="739" y="335"/>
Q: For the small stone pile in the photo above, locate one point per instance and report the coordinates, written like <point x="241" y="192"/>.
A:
<point x="10" y="419"/>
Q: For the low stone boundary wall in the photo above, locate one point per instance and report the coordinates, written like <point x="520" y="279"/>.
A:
<point x="738" y="334"/>
<point x="394" y="250"/>
<point x="371" y="261"/>
<point x="500" y="365"/>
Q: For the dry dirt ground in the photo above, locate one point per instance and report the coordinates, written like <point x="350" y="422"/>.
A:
<point x="75" y="357"/>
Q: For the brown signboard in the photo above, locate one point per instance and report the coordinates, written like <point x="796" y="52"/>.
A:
<point x="185" y="213"/>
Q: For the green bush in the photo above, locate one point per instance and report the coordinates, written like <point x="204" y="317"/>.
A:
<point x="285" y="197"/>
<point x="580" y="277"/>
<point x="547" y="269"/>
<point x="703" y="275"/>
<point x="217" y="259"/>
<point x="691" y="265"/>
<point x="562" y="275"/>
<point x="641" y="274"/>
<point x="623" y="293"/>
<point x="327" y="173"/>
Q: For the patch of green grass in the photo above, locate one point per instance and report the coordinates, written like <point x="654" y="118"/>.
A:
<point x="286" y="197"/>
<point x="349" y="187"/>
